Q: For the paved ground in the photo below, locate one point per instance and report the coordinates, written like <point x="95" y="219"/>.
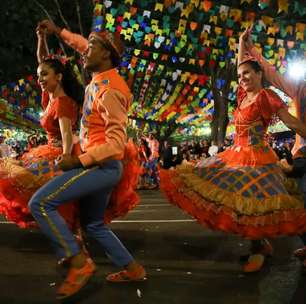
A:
<point x="186" y="264"/>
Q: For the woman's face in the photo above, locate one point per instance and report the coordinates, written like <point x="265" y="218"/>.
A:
<point x="47" y="78"/>
<point x="248" y="78"/>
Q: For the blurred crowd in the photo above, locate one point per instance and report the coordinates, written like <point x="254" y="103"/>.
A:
<point x="11" y="147"/>
<point x="155" y="155"/>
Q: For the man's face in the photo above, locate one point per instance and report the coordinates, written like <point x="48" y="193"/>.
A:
<point x="95" y="55"/>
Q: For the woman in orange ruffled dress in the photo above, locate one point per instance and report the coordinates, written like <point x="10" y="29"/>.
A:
<point x="19" y="180"/>
<point x="242" y="190"/>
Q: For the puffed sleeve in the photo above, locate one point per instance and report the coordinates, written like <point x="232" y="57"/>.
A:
<point x="64" y="107"/>
<point x="270" y="103"/>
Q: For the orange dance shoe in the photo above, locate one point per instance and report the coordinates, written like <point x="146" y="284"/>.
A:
<point x="128" y="276"/>
<point x="254" y="263"/>
<point x="75" y="280"/>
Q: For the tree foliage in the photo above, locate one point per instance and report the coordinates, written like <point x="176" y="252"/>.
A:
<point x="18" y="38"/>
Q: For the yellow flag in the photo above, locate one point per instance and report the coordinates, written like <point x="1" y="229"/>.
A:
<point x="282" y="6"/>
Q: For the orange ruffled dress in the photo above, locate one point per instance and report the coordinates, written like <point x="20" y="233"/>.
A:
<point x="241" y="190"/>
<point x="124" y="197"/>
<point x="19" y="180"/>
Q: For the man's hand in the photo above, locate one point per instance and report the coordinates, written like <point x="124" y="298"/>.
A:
<point x="285" y="166"/>
<point x="50" y="27"/>
<point x="67" y="162"/>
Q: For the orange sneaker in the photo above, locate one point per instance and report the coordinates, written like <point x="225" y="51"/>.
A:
<point x="75" y="280"/>
<point x="254" y="264"/>
<point x="128" y="276"/>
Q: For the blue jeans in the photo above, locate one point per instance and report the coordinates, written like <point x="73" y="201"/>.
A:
<point x="92" y="187"/>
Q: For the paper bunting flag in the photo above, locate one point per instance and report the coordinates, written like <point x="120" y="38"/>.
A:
<point x="235" y="14"/>
<point x="98" y="9"/>
<point x="224" y="9"/>
<point x="193" y="25"/>
<point x="146" y="14"/>
<point x="245" y="24"/>
<point x="267" y="20"/>
<point x="300" y="30"/>
<point x="270" y="41"/>
<point x="186" y="11"/>
<point x="182" y="26"/>
<point x="127" y="16"/>
<point x="133" y="10"/>
<point x="230" y="23"/>
<point x="218" y="30"/>
<point x="250" y="16"/>
<point x="192" y="61"/>
<point x="206" y="28"/>
<point x="179" y="5"/>
<point x="283" y="6"/>
<point x="207" y="5"/>
<point x="168" y="3"/>
<point x="290" y="44"/>
<point x="159" y="7"/>
<point x="263" y="4"/>
<point x="213" y="19"/>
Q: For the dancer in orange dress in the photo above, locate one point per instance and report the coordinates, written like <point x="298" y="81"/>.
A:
<point x="242" y="190"/>
<point x="20" y="180"/>
<point x="297" y="91"/>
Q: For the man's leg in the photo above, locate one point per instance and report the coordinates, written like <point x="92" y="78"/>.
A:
<point x="71" y="185"/>
<point x="92" y="209"/>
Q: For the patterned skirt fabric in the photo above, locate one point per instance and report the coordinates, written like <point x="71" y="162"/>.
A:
<point x="237" y="193"/>
<point x="19" y="180"/>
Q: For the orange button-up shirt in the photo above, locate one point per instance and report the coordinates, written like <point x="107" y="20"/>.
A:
<point x="105" y="112"/>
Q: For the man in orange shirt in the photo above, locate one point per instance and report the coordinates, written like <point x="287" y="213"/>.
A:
<point x="91" y="176"/>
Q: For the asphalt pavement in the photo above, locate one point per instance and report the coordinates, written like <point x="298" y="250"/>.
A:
<point x="186" y="264"/>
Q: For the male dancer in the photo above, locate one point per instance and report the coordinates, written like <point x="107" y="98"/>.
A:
<point x="91" y="176"/>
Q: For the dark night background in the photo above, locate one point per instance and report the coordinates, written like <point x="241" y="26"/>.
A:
<point x="18" y="38"/>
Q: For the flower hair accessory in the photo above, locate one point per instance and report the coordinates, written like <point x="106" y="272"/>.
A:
<point x="62" y="59"/>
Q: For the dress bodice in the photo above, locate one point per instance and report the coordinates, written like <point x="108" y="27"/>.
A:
<point x="62" y="106"/>
<point x="251" y="122"/>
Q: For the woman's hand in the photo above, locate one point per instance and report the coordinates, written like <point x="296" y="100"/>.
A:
<point x="50" y="27"/>
<point x="40" y="32"/>
<point x="67" y="162"/>
<point x="246" y="38"/>
<point x="286" y="168"/>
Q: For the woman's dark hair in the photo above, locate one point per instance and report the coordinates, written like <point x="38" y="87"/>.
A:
<point x="71" y="85"/>
<point x="255" y="66"/>
<point x="146" y="147"/>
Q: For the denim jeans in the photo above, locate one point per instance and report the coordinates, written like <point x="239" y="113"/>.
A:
<point x="93" y="188"/>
